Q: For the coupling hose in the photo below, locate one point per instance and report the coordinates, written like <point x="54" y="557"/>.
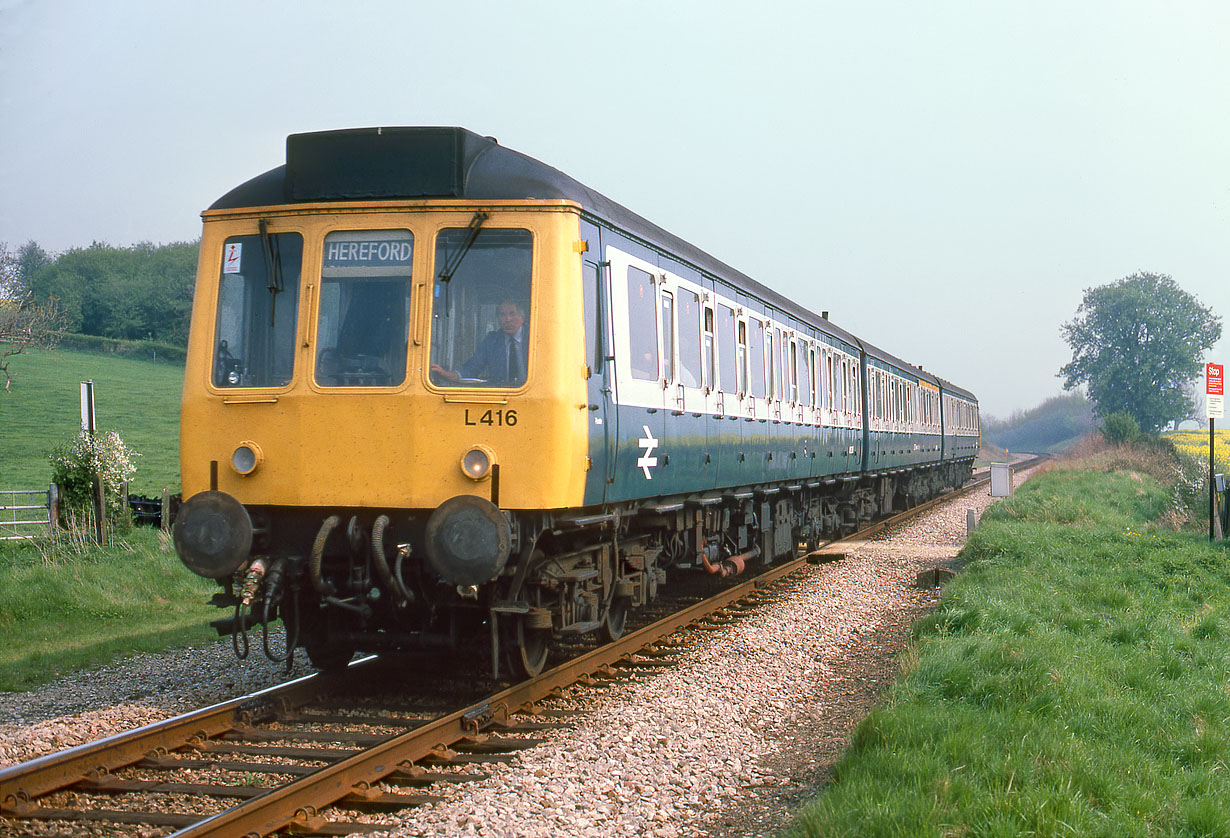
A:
<point x="381" y="564"/>
<point x="322" y="586"/>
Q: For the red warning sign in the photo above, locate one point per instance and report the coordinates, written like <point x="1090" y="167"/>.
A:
<point x="1214" y="375"/>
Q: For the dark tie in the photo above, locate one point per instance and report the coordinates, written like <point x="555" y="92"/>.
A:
<point x="514" y="363"/>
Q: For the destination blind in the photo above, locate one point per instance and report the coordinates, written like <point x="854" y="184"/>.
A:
<point x="369" y="253"/>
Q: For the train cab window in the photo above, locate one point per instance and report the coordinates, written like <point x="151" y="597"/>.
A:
<point x="642" y="325"/>
<point x="689" y="338"/>
<point x="481" y="317"/>
<point x="756" y="358"/>
<point x="362" y="326"/>
<point x="258" y="310"/>
<point x="668" y="337"/>
<point x="726" y="348"/>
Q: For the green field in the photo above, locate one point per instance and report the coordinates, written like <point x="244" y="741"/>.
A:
<point x="139" y="399"/>
<point x="1073" y="681"/>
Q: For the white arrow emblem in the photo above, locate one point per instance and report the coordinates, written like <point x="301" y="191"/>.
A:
<point x="647" y="462"/>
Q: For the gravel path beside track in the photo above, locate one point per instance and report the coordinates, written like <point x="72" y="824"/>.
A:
<point x="725" y="744"/>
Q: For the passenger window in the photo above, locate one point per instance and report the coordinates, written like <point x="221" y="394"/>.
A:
<point x="792" y="349"/>
<point x="689" y="338"/>
<point x="710" y="369"/>
<point x="756" y="354"/>
<point x="741" y="360"/>
<point x="804" y="375"/>
<point x="362" y="325"/>
<point x="480" y="316"/>
<point x="830" y="381"/>
<point x="726" y="347"/>
<point x="775" y="340"/>
<point x="668" y="337"/>
<point x="845" y="385"/>
<point x="786" y="391"/>
<point x="642" y="325"/>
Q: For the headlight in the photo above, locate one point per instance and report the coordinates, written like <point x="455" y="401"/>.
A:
<point x="232" y="377"/>
<point x="476" y="463"/>
<point x="246" y="457"/>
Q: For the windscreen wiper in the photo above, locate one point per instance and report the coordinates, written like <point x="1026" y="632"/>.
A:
<point x="273" y="267"/>
<point x="450" y="268"/>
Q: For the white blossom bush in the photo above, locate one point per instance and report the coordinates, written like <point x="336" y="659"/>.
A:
<point x="74" y="465"/>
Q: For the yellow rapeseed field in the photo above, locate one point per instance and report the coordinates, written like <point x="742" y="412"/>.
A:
<point x="1196" y="444"/>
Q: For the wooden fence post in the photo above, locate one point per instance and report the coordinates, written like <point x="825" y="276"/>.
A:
<point x="165" y="520"/>
<point x="100" y="511"/>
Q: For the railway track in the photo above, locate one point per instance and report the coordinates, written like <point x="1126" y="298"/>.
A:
<point x="296" y="755"/>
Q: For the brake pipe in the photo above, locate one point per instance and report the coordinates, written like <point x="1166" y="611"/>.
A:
<point x="322" y="587"/>
<point x="381" y="564"/>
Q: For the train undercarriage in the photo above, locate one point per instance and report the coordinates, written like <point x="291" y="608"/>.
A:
<point x="371" y="582"/>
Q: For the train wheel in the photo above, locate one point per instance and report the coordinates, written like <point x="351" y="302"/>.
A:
<point x="531" y="648"/>
<point x="528" y="640"/>
<point x="329" y="655"/>
<point x="616" y="618"/>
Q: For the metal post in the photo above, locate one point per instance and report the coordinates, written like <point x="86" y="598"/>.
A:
<point x="53" y="507"/>
<point x="165" y="519"/>
<point x="88" y="421"/>
<point x="1212" y="488"/>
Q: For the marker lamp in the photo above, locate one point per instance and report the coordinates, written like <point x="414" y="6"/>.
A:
<point x="246" y="458"/>
<point x="476" y="463"/>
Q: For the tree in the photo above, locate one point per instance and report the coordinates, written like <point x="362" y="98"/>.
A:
<point x="24" y="322"/>
<point x="1136" y="343"/>
<point x="140" y="292"/>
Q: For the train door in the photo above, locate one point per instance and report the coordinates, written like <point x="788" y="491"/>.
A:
<point x="757" y="404"/>
<point x="724" y="431"/>
<point x="779" y="429"/>
<point x="682" y="315"/>
<point x="601" y="417"/>
<point x="642" y="369"/>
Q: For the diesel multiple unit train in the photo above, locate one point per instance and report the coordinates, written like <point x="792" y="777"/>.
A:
<point x="438" y="391"/>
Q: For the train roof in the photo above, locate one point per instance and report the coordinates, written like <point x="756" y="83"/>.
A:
<point x="414" y="162"/>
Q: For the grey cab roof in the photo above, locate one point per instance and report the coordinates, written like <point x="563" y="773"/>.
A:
<point x="418" y="162"/>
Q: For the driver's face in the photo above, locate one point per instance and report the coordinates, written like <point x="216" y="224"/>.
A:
<point x="510" y="318"/>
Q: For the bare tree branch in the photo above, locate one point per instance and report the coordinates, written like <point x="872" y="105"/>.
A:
<point x="24" y="322"/>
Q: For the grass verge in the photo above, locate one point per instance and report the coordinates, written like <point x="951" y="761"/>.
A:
<point x="137" y="398"/>
<point x="60" y="613"/>
<point x="1074" y="679"/>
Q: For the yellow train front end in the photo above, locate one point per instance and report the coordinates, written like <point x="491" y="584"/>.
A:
<point x="373" y="389"/>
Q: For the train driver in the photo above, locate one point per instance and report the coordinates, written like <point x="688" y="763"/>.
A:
<point x="500" y="358"/>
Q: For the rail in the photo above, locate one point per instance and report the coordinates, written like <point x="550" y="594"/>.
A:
<point x="296" y="805"/>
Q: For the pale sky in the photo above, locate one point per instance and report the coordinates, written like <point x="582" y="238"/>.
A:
<point x="945" y="178"/>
